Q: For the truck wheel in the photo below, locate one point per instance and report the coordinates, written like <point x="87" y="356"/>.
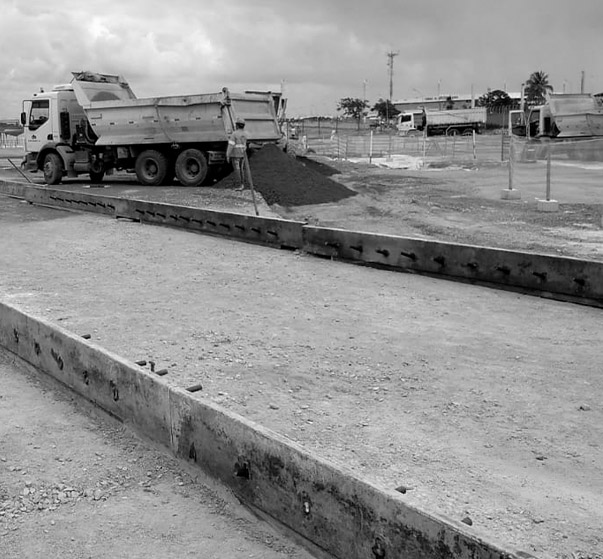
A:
<point x="151" y="167"/>
<point x="97" y="177"/>
<point x="53" y="168"/>
<point x="452" y="132"/>
<point x="191" y="167"/>
<point x="97" y="171"/>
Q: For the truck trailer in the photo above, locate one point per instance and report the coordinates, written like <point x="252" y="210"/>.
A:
<point x="449" y="122"/>
<point x="570" y="124"/>
<point x="95" y="125"/>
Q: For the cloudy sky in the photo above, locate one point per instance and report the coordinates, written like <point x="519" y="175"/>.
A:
<point x="317" y="51"/>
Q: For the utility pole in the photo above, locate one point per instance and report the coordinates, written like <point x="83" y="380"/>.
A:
<point x="390" y="64"/>
<point x="582" y="82"/>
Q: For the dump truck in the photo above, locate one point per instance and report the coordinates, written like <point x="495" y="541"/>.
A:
<point x="95" y="125"/>
<point x="450" y="122"/>
<point x="570" y="124"/>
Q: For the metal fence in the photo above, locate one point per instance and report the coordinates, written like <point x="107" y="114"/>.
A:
<point x="11" y="141"/>
<point x="556" y="171"/>
<point x="374" y="145"/>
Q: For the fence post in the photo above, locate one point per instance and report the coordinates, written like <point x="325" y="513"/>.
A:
<point x="510" y="165"/>
<point x="502" y="144"/>
<point x="474" y="146"/>
<point x="548" y="205"/>
<point x="510" y="193"/>
<point x="548" y="174"/>
<point x="371" y="148"/>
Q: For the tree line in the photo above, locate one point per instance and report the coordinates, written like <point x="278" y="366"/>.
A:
<point x="536" y="88"/>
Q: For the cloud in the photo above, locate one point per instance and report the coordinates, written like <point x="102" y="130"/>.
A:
<point x="319" y="51"/>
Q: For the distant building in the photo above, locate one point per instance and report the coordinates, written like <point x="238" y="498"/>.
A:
<point x="443" y="102"/>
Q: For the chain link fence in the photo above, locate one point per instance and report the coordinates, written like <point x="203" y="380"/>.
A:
<point x="373" y="145"/>
<point x="11" y="141"/>
<point x="557" y="169"/>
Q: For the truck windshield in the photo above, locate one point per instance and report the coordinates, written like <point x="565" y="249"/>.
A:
<point x="40" y="111"/>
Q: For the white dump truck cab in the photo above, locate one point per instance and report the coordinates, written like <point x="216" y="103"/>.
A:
<point x="410" y="122"/>
<point x="536" y="123"/>
<point x="51" y="121"/>
<point x="517" y="123"/>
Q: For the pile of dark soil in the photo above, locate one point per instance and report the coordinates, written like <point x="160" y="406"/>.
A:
<point x="287" y="181"/>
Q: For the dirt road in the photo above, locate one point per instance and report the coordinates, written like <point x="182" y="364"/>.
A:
<point x="483" y="403"/>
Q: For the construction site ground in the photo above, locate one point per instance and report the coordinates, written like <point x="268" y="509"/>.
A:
<point x="75" y="483"/>
<point x="484" y="404"/>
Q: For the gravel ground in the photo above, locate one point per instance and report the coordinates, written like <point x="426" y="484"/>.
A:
<point x="483" y="402"/>
<point x="75" y="483"/>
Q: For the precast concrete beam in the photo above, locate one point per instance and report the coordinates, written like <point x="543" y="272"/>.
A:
<point x="114" y="384"/>
<point x="280" y="233"/>
<point x="325" y="504"/>
<point x="578" y="280"/>
<point x="565" y="278"/>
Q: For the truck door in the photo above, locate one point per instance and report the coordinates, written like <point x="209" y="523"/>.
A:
<point x="405" y="123"/>
<point x="37" y="122"/>
<point x="534" y="123"/>
<point x="517" y="123"/>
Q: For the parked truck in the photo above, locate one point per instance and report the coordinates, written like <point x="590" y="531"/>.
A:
<point x="95" y="125"/>
<point x="571" y="122"/>
<point x="449" y="122"/>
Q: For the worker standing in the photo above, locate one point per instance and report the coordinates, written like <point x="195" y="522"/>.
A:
<point x="236" y="150"/>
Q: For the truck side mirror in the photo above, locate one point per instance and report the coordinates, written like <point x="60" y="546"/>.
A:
<point x="23" y="118"/>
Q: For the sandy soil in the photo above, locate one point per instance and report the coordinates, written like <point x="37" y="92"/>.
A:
<point x="483" y="403"/>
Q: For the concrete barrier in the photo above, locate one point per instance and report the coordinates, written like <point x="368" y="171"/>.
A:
<point x="558" y="277"/>
<point x="572" y="278"/>
<point x="280" y="233"/>
<point x="332" y="508"/>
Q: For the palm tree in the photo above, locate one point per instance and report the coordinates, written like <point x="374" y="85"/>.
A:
<point x="537" y="87"/>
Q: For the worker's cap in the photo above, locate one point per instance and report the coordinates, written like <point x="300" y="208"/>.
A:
<point x="240" y="121"/>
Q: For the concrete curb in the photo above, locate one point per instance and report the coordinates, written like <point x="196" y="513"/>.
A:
<point x="330" y="507"/>
<point x="535" y="273"/>
<point x="568" y="279"/>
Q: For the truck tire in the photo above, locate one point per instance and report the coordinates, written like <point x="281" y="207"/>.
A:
<point x="97" y="172"/>
<point x="97" y="177"/>
<point x="191" y="167"/>
<point x="151" y="167"/>
<point x="53" y="168"/>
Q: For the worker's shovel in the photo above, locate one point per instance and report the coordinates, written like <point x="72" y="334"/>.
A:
<point x="248" y="173"/>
